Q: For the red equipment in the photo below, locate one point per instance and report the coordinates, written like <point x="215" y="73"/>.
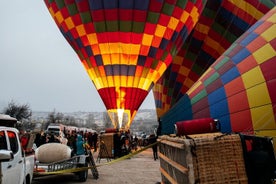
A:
<point x="196" y="126"/>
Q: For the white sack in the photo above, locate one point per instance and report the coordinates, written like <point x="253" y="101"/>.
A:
<point x="52" y="152"/>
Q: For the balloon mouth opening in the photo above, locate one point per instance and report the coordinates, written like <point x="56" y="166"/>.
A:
<point x="121" y="118"/>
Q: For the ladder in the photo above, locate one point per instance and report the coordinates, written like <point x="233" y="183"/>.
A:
<point x="92" y="164"/>
<point x="103" y="153"/>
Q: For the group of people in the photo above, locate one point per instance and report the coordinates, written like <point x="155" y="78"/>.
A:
<point x="124" y="143"/>
<point x="77" y="141"/>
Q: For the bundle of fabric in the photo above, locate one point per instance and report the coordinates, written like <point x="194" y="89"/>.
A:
<point x="52" y="152"/>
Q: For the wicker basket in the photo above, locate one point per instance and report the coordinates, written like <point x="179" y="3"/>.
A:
<point x="204" y="158"/>
<point x="107" y="143"/>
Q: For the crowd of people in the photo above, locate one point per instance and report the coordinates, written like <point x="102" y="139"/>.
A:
<point x="124" y="142"/>
<point x="77" y="141"/>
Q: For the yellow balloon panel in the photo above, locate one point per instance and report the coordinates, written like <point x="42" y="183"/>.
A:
<point x="263" y="118"/>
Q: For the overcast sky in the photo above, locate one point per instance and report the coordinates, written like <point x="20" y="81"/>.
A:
<point x="38" y="67"/>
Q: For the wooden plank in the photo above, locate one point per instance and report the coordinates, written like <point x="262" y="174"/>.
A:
<point x="166" y="175"/>
<point x="174" y="164"/>
<point x="213" y="134"/>
<point x="173" y="144"/>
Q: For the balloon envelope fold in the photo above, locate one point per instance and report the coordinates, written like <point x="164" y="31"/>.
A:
<point x="219" y="25"/>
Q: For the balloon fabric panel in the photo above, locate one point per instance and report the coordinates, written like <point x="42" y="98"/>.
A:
<point x="219" y="25"/>
<point x="125" y="46"/>
<point x="244" y="100"/>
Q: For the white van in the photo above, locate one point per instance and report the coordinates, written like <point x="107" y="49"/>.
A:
<point x="54" y="128"/>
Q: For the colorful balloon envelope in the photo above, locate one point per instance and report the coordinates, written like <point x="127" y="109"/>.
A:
<point x="239" y="89"/>
<point x="220" y="24"/>
<point x="125" y="45"/>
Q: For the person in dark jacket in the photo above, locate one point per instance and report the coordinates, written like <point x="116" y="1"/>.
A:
<point x="95" y="140"/>
<point x="53" y="139"/>
<point x="153" y="140"/>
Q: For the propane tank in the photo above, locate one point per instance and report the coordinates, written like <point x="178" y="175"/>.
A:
<point x="197" y="126"/>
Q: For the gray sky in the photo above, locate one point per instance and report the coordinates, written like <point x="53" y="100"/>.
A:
<point x="38" y="67"/>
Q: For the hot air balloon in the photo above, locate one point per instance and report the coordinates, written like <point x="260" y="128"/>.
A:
<point x="220" y="24"/>
<point x="125" y="45"/>
<point x="239" y="89"/>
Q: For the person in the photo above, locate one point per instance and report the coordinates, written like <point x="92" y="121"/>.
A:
<point x="53" y="139"/>
<point x="42" y="137"/>
<point x="62" y="139"/>
<point x="37" y="139"/>
<point x="72" y="137"/>
<point x="159" y="128"/>
<point x="79" y="145"/>
<point x="153" y="140"/>
<point x="90" y="139"/>
<point x="24" y="139"/>
<point x="117" y="145"/>
<point x="135" y="143"/>
<point x="95" y="140"/>
<point x="123" y="144"/>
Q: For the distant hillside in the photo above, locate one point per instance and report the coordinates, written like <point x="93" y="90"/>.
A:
<point x="144" y="117"/>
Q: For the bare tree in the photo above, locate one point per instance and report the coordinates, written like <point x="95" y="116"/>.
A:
<point x="90" y="119"/>
<point x="54" y="117"/>
<point x="69" y="120"/>
<point x="107" y="120"/>
<point x="94" y="126"/>
<point x="90" y="122"/>
<point x="20" y="112"/>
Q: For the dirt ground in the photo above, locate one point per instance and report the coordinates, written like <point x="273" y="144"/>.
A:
<point x="139" y="169"/>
